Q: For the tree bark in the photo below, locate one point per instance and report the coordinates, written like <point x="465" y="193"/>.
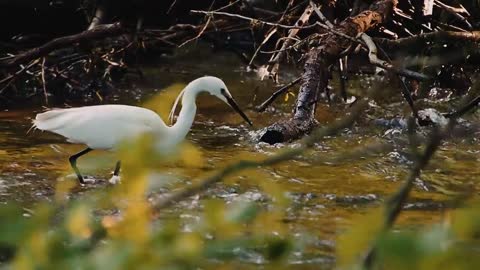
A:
<point x="316" y="72"/>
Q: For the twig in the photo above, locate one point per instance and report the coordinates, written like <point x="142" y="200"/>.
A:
<point x="286" y="49"/>
<point x="405" y="16"/>
<point x="405" y="90"/>
<point x="403" y="72"/>
<point x="418" y="40"/>
<point x="227" y="6"/>
<point x="278" y="57"/>
<point x="277" y="93"/>
<point x="320" y="15"/>
<point x="271" y="32"/>
<point x="342" y="70"/>
<point x="11" y="78"/>
<point x="265" y="40"/>
<point x="447" y="26"/>
<point x="171" y="6"/>
<point x="252" y="20"/>
<point x="460" y="9"/>
<point x="455" y="12"/>
<point x="395" y="203"/>
<point x="372" y="55"/>
<point x="43" y="82"/>
<point x="199" y="34"/>
<point x="256" y="21"/>
<point x="459" y="112"/>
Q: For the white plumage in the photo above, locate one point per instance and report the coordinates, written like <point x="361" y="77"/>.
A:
<point x="102" y="126"/>
<point x="105" y="126"/>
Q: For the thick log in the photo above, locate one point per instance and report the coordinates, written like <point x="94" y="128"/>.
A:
<point x="100" y="31"/>
<point x="316" y="72"/>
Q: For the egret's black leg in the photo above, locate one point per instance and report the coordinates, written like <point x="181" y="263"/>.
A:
<point x="73" y="162"/>
<point x="117" y="169"/>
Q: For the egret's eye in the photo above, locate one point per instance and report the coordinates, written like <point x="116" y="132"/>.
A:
<point x="222" y="90"/>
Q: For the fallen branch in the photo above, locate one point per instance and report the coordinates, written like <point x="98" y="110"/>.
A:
<point x="100" y="31"/>
<point x="316" y="73"/>
<point x="423" y="39"/>
<point x="277" y="93"/>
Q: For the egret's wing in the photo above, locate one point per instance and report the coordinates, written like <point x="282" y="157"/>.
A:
<point x="101" y="126"/>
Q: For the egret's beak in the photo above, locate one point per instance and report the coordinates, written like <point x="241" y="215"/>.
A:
<point x="234" y="105"/>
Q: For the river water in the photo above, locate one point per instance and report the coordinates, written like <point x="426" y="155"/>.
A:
<point x="325" y="194"/>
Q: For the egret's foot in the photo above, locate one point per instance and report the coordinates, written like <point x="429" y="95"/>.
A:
<point x="89" y="180"/>
<point x="115" y="180"/>
<point x="74" y="177"/>
<point x="71" y="176"/>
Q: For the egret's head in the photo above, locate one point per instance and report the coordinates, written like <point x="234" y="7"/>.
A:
<point x="217" y="87"/>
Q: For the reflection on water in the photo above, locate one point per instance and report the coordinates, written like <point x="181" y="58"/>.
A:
<point x="325" y="193"/>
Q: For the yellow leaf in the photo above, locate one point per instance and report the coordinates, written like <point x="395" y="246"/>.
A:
<point x="189" y="244"/>
<point x="23" y="261"/>
<point x="465" y="223"/>
<point x="353" y="244"/>
<point x="62" y="190"/>
<point x="78" y="222"/>
<point x="191" y="156"/>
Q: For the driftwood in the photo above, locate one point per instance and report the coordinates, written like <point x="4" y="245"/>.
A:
<point x="316" y="73"/>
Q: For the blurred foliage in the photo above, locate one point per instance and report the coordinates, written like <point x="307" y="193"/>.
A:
<point x="453" y="244"/>
<point x="117" y="228"/>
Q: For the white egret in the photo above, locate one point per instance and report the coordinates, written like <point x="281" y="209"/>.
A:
<point x="105" y="126"/>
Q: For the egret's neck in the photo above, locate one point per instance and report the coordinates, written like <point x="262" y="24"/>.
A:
<point x="187" y="113"/>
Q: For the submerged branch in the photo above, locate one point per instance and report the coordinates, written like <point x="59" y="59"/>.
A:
<point x="277" y="93"/>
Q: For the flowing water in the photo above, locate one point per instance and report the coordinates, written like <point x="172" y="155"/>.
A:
<point x="325" y="192"/>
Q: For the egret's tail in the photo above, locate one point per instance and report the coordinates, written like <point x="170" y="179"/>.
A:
<point x="50" y="120"/>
